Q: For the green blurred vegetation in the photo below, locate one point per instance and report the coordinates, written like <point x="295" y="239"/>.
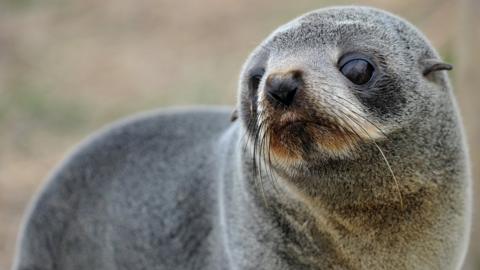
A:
<point x="38" y="108"/>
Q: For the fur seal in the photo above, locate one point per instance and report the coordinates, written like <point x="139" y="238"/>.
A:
<point x="348" y="153"/>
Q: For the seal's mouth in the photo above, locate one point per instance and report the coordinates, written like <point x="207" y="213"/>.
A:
<point x="296" y="135"/>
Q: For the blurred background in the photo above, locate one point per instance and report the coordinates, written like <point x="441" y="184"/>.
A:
<point x="69" y="67"/>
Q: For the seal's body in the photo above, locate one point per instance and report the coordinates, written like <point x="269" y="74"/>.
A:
<point x="123" y="202"/>
<point x="348" y="154"/>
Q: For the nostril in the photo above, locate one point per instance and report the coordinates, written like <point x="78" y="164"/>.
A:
<point x="282" y="88"/>
<point x="285" y="96"/>
<point x="291" y="94"/>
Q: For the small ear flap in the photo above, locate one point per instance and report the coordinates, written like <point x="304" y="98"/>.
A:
<point x="234" y="115"/>
<point x="432" y="65"/>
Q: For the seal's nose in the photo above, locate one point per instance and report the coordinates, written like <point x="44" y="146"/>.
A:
<point x="282" y="87"/>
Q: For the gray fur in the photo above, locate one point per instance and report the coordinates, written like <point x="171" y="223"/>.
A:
<point x="178" y="189"/>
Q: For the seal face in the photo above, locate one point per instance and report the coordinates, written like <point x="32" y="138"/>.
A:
<point x="323" y="85"/>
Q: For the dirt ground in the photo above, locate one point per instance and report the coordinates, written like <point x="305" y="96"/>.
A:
<point x="69" y="67"/>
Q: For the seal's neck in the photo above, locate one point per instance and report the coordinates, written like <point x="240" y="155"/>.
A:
<point x="270" y="220"/>
<point x="262" y="223"/>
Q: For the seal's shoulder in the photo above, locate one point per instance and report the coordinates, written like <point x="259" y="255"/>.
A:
<point x="124" y="150"/>
<point x="160" y="126"/>
<point x="133" y="142"/>
<point x="164" y="122"/>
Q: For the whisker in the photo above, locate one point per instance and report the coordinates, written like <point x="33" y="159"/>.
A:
<point x="393" y="175"/>
<point x="356" y="113"/>
<point x="268" y="161"/>
<point x="352" y="111"/>
<point x="384" y="158"/>
<point x="258" y="147"/>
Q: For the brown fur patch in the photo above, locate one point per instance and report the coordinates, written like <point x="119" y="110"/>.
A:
<point x="291" y="141"/>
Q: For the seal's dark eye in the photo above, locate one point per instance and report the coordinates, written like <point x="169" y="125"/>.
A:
<point x="255" y="78"/>
<point x="359" y="71"/>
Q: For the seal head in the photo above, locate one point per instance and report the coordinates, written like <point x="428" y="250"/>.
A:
<point x="329" y="82"/>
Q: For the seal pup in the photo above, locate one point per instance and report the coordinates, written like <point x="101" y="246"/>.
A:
<point x="348" y="153"/>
